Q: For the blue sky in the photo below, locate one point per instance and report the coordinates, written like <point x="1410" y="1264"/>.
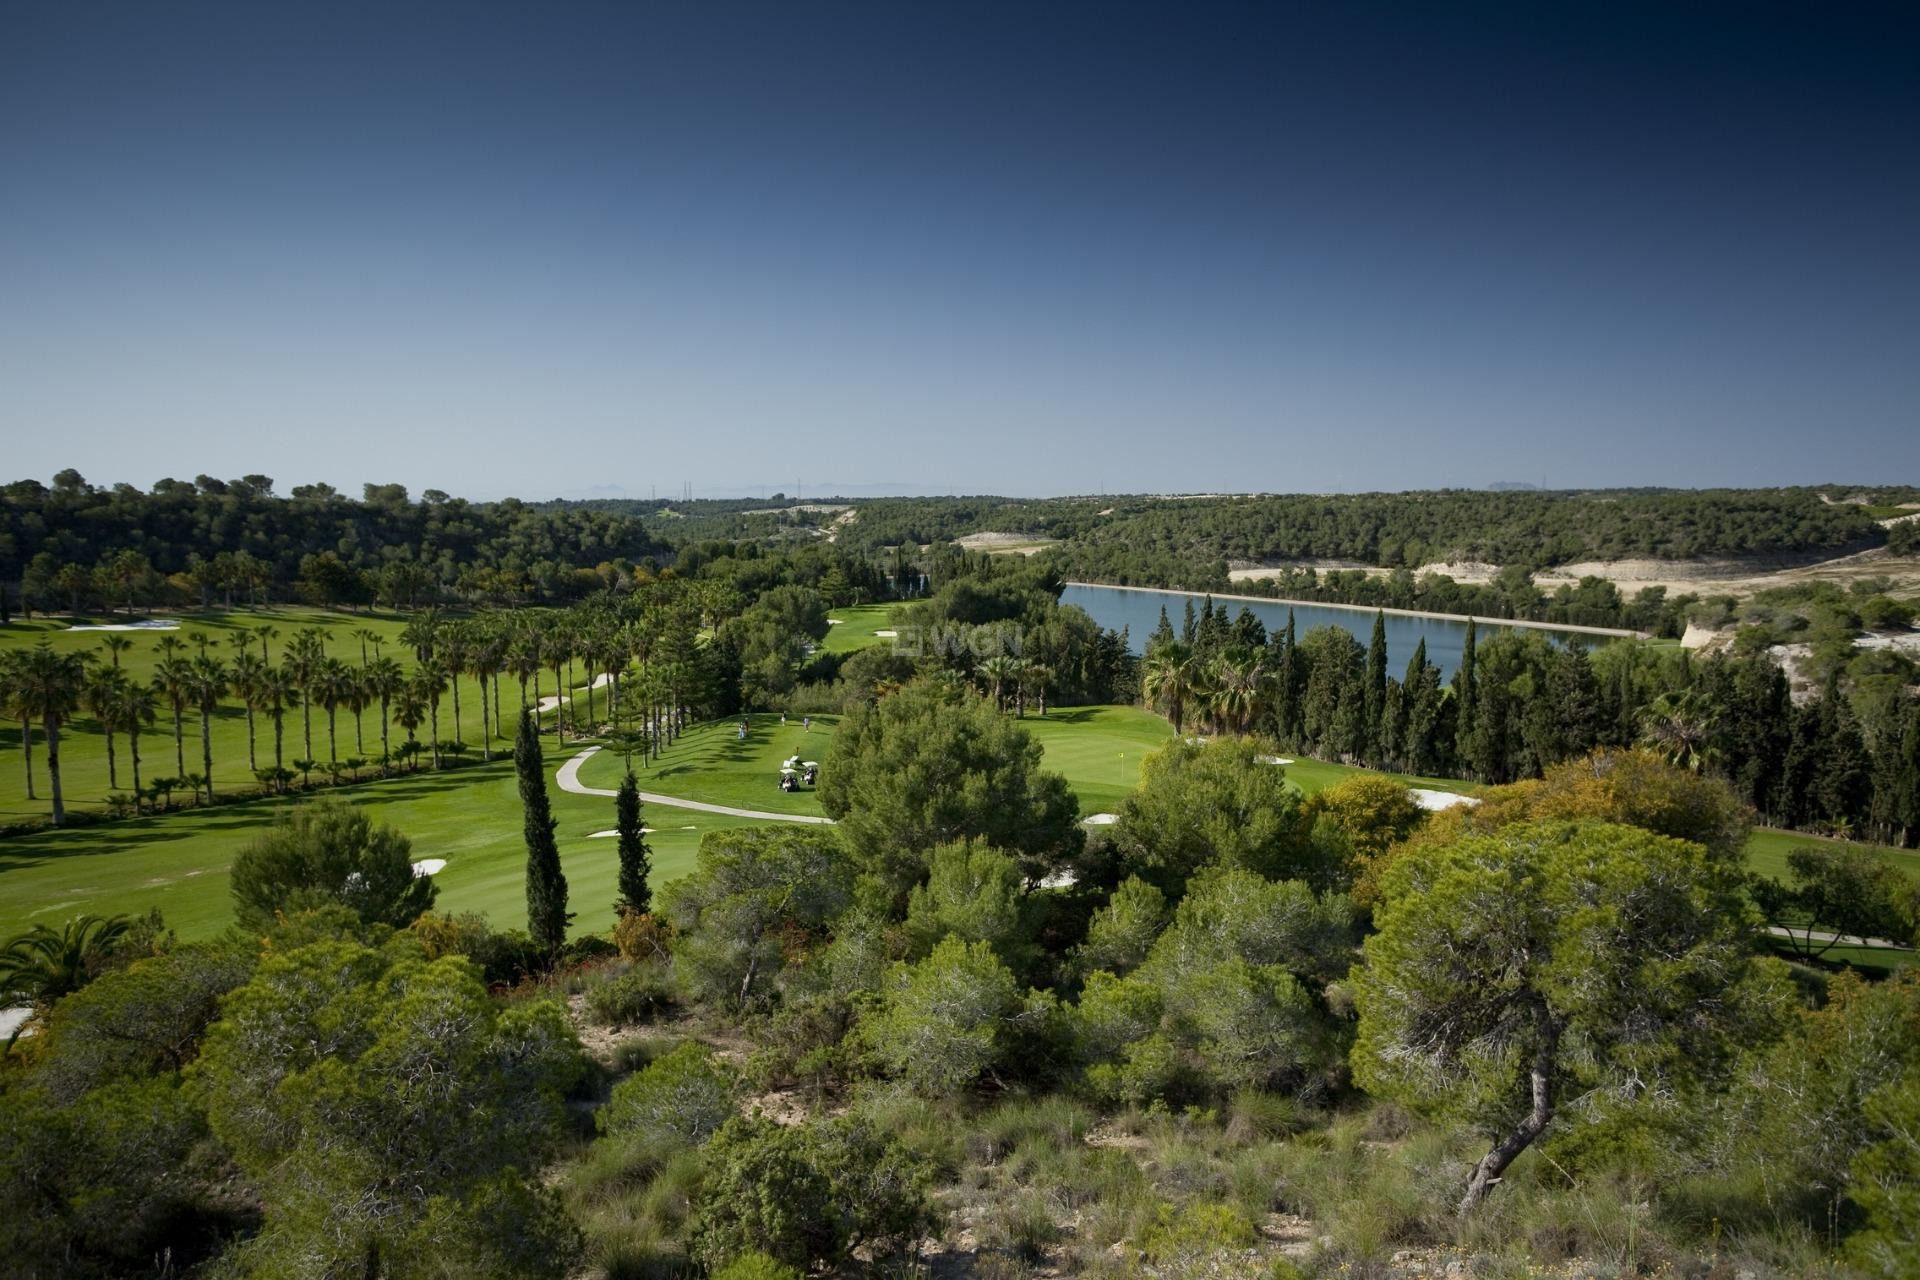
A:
<point x="542" y="249"/>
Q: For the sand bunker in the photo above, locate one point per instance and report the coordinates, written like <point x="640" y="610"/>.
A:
<point x="151" y="624"/>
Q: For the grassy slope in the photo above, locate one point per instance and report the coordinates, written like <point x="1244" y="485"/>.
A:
<point x="471" y="817"/>
<point x="857" y="623"/>
<point x="83" y="749"/>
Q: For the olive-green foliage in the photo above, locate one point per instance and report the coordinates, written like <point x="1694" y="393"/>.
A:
<point x="975" y="894"/>
<point x="98" y="1185"/>
<point x="1886" y="1182"/>
<point x="756" y="1266"/>
<point x="1839" y="891"/>
<point x="391" y="1115"/>
<point x="324" y="853"/>
<point x="99" y="1147"/>
<point x="1558" y="961"/>
<point x="948" y="1019"/>
<point x="1122" y="931"/>
<point x="931" y="764"/>
<point x="630" y="992"/>
<point x="501" y="955"/>
<point x="1225" y="997"/>
<point x="807" y="1195"/>
<point x="749" y="886"/>
<point x="1214" y="805"/>
<point x="1800" y="1113"/>
<point x="681" y="1097"/>
<point x="147" y="1018"/>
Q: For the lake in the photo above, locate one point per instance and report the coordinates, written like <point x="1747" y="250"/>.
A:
<point x="1138" y="610"/>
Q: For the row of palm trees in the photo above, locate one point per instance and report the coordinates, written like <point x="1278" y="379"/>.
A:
<point x="1227" y="691"/>
<point x="47" y="688"/>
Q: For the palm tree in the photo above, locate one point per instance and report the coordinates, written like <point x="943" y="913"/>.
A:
<point x="559" y="647"/>
<point x="132" y="711"/>
<point x="208" y="684"/>
<point x="43" y="964"/>
<point x="273" y="692"/>
<point x="1034" y="679"/>
<point x="1167" y="678"/>
<point x="200" y="640"/>
<point x="333" y="685"/>
<point x="1000" y="670"/>
<point x="383" y="681"/>
<point x="456" y="642"/>
<point x="9" y="682"/>
<point x="1683" y="727"/>
<point x="248" y="671"/>
<point x="266" y="634"/>
<point x="483" y="664"/>
<point x="409" y="712"/>
<point x="1239" y="689"/>
<point x="105" y="687"/>
<point x="115" y="646"/>
<point x="305" y="654"/>
<point x="430" y="679"/>
<point x="173" y="678"/>
<point x="367" y="636"/>
<point x="50" y="685"/>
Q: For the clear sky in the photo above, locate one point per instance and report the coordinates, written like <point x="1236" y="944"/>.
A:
<point x="542" y="248"/>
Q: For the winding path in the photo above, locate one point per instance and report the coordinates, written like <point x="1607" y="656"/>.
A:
<point x="568" y="776"/>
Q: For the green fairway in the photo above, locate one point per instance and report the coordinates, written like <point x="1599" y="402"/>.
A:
<point x="469" y="816"/>
<point x="1768" y="847"/>
<point x="83" y="748"/>
<point x="1099" y="749"/>
<point x="710" y="763"/>
<point x="855" y="625"/>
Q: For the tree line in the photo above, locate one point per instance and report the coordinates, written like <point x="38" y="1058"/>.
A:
<point x="73" y="545"/>
<point x="1846" y="762"/>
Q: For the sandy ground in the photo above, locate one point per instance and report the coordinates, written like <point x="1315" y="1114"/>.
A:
<point x="1024" y="544"/>
<point x="152" y="624"/>
<point x="1703" y="577"/>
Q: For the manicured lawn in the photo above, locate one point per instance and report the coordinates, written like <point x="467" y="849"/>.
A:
<point x="470" y="816"/>
<point x="1767" y="850"/>
<point x="83" y="748"/>
<point x="855" y="627"/>
<point x="710" y="763"/>
<point x="1099" y="749"/>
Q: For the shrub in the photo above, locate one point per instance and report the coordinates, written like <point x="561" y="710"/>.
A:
<point x="502" y="956"/>
<point x="756" y="1266"/>
<point x="630" y="996"/>
<point x="641" y="935"/>
<point x="807" y="1195"/>
<point x="683" y="1096"/>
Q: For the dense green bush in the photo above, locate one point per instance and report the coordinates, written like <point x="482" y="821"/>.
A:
<point x="681" y="1097"/>
<point x="807" y="1195"/>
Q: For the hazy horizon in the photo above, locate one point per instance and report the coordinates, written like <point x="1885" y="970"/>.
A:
<point x="493" y="248"/>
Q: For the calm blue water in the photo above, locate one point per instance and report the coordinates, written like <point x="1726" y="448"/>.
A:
<point x="1138" y="610"/>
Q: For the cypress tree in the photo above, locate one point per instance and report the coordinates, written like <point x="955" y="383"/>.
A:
<point x="1466" y="695"/>
<point x="547" y="914"/>
<point x="1189" y="625"/>
<point x="636" y="860"/>
<point x="1162" y="635"/>
<point x="1293" y="680"/>
<point x="1376" y="690"/>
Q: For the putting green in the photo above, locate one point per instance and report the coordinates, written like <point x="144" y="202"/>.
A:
<point x="855" y="625"/>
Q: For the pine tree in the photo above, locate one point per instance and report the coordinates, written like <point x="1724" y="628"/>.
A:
<point x="547" y="914"/>
<point x="1841" y="777"/>
<point x="1466" y="696"/>
<point x="1375" y="691"/>
<point x="636" y="861"/>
